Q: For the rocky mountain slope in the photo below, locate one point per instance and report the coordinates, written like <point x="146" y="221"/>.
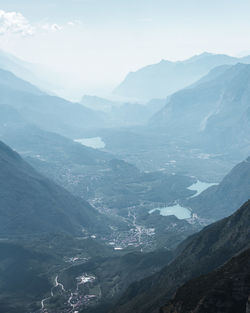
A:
<point x="213" y="114"/>
<point x="225" y="290"/>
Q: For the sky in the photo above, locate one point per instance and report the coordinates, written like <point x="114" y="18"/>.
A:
<point x="89" y="46"/>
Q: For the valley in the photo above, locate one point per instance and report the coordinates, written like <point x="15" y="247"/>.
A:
<point x="132" y="201"/>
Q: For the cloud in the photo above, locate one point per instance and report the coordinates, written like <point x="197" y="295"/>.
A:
<point x="56" y="27"/>
<point x="52" y="27"/>
<point x="15" y="23"/>
<point x="74" y="23"/>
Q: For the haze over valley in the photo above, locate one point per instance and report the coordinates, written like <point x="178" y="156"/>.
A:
<point x="124" y="156"/>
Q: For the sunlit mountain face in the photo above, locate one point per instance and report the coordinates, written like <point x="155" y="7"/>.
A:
<point x="124" y="156"/>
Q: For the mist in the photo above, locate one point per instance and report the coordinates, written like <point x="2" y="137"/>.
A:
<point x="124" y="156"/>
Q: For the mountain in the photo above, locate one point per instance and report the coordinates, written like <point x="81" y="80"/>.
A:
<point x="166" y="77"/>
<point x="213" y="114"/>
<point x="23" y="277"/>
<point x="10" y="81"/>
<point x="48" y="112"/>
<point x="222" y="200"/>
<point x="124" y="114"/>
<point x="133" y="114"/>
<point x="34" y="73"/>
<point x="12" y="64"/>
<point x="30" y="203"/>
<point x="226" y="290"/>
<point x="97" y="103"/>
<point x="74" y="165"/>
<point x="90" y="174"/>
<point x="198" y="255"/>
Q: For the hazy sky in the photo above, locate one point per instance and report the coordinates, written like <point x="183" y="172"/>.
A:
<point x="95" y="43"/>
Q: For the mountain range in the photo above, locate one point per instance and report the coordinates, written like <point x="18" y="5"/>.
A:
<point x="213" y="113"/>
<point x="166" y="77"/>
<point x="47" y="112"/>
<point x="123" y="114"/>
<point x="75" y="221"/>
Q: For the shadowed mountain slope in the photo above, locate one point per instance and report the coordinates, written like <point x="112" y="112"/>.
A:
<point x="30" y="203"/>
<point x="225" y="290"/>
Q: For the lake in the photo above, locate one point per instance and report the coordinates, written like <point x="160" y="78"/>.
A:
<point x="93" y="142"/>
<point x="199" y="187"/>
<point x="179" y="211"/>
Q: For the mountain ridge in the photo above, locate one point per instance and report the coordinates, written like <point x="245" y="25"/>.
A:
<point x="166" y="77"/>
<point x="225" y="289"/>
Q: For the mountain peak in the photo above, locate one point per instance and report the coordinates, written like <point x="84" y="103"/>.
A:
<point x="201" y="55"/>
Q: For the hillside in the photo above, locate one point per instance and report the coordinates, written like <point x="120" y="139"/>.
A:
<point x="213" y="114"/>
<point x="47" y="112"/>
<point x="10" y="81"/>
<point x="222" y="200"/>
<point x="224" y="290"/>
<point x="198" y="255"/>
<point x="30" y="203"/>
<point x="23" y="277"/>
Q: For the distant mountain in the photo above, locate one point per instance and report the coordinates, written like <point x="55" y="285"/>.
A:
<point x="124" y="114"/>
<point x="164" y="78"/>
<point x="97" y="103"/>
<point x="30" y="203"/>
<point x="12" y="64"/>
<point x="213" y="114"/>
<point x="197" y="255"/>
<point x="31" y="72"/>
<point x="12" y="82"/>
<point x="222" y="200"/>
<point x="226" y="290"/>
<point x="132" y="114"/>
<point x="48" y="112"/>
<point x="10" y="118"/>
